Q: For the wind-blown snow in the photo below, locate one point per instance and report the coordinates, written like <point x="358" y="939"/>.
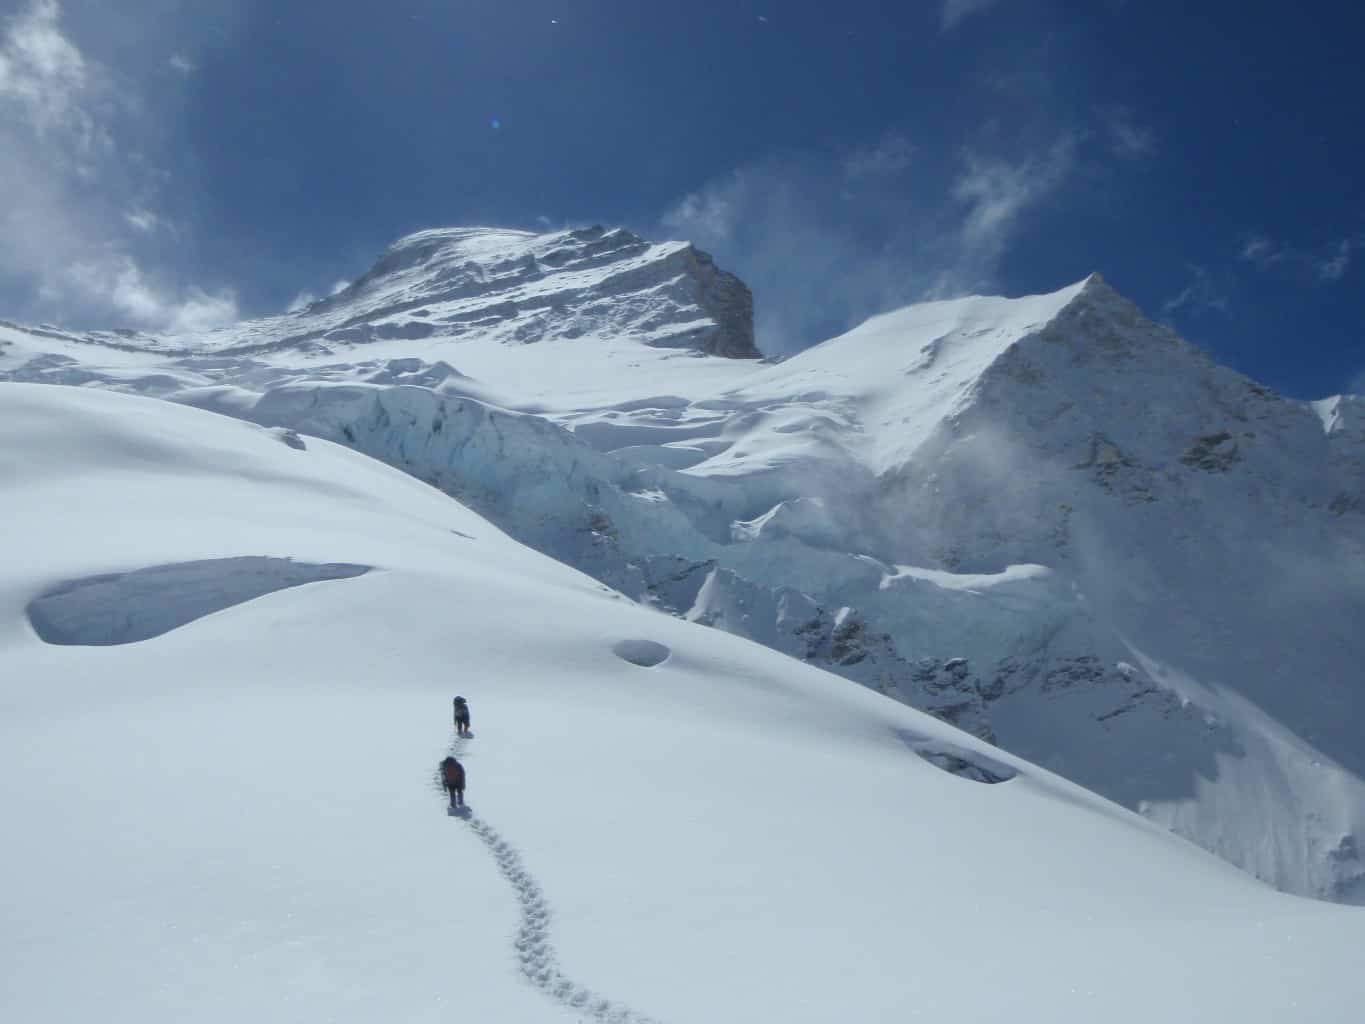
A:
<point x="235" y="819"/>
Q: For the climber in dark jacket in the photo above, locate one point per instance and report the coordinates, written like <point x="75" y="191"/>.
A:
<point x="461" y="716"/>
<point x="452" y="777"/>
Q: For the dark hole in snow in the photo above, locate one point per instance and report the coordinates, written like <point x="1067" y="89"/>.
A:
<point x="289" y="437"/>
<point x="965" y="764"/>
<point x="123" y="608"/>
<point x="974" y="768"/>
<point x="645" y="653"/>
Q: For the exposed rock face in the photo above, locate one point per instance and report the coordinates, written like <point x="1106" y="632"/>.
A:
<point x="1213" y="453"/>
<point x="516" y="287"/>
<point x="726" y="300"/>
<point x="526" y="288"/>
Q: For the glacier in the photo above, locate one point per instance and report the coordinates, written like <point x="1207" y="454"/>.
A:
<point x="237" y="818"/>
<point x="1048" y="520"/>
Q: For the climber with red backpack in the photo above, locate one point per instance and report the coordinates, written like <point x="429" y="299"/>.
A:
<point x="452" y="777"/>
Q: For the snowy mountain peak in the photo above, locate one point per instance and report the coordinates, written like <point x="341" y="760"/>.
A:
<point x="1046" y="519"/>
<point x="500" y="286"/>
<point x="519" y="287"/>
<point x="1096" y="315"/>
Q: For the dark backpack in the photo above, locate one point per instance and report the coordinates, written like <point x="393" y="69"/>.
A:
<point x="452" y="772"/>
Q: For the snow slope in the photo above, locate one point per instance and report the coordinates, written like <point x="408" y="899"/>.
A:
<point x="237" y="818"/>
<point x="1046" y="520"/>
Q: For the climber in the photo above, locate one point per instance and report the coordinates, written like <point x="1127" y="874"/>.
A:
<point x="452" y="777"/>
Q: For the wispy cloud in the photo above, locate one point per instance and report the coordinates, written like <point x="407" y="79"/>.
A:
<point x="955" y="10"/>
<point x="77" y="208"/>
<point x="300" y="302"/>
<point x="1127" y="138"/>
<point x="712" y="213"/>
<point x="826" y="240"/>
<point x="142" y="219"/>
<point x="181" y="63"/>
<point x="995" y="192"/>
<point x="118" y="280"/>
<point x="304" y="299"/>
<point x="1326" y="264"/>
<point x="889" y="156"/>
<point x="785" y="226"/>
<point x="46" y="84"/>
<point x="1332" y="266"/>
<point x="1260" y="251"/>
<point x="1205" y="293"/>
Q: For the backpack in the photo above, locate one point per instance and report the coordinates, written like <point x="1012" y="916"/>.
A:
<point x="452" y="772"/>
<point x="461" y="708"/>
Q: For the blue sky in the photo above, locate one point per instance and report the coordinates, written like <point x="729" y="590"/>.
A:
<point x="175" y="164"/>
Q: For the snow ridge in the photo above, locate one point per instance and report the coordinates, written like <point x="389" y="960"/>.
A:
<point x="535" y="953"/>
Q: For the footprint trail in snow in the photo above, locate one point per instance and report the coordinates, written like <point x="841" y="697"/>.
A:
<point x="535" y="954"/>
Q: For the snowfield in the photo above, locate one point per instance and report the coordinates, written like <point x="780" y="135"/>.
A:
<point x="237" y="818"/>
<point x="1046" y="520"/>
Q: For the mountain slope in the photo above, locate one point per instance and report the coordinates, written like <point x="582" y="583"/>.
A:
<point x="1046" y="520"/>
<point x="235" y="817"/>
<point x="512" y="286"/>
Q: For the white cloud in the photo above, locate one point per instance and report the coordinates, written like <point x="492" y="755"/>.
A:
<point x="1333" y="265"/>
<point x="1204" y="294"/>
<point x="889" y="157"/>
<point x="77" y="211"/>
<point x="305" y="298"/>
<point x="181" y="63"/>
<point x="1127" y="139"/>
<point x="142" y="219"/>
<point x="710" y="212"/>
<point x="1260" y="251"/>
<point x="827" y="240"/>
<point x="996" y="192"/>
<point x="955" y="10"/>
<point x="784" y="227"/>
<point x="1325" y="264"/>
<point x="45" y="82"/>
<point x="120" y="283"/>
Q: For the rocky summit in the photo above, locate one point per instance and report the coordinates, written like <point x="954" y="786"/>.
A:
<point x="515" y="287"/>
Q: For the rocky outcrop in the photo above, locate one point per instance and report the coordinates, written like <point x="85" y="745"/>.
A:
<point x="727" y="301"/>
<point x="524" y="288"/>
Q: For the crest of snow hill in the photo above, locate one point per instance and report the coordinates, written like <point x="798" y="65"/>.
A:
<point x="1048" y="520"/>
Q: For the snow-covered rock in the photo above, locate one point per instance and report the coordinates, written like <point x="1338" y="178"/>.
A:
<point x="514" y="286"/>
